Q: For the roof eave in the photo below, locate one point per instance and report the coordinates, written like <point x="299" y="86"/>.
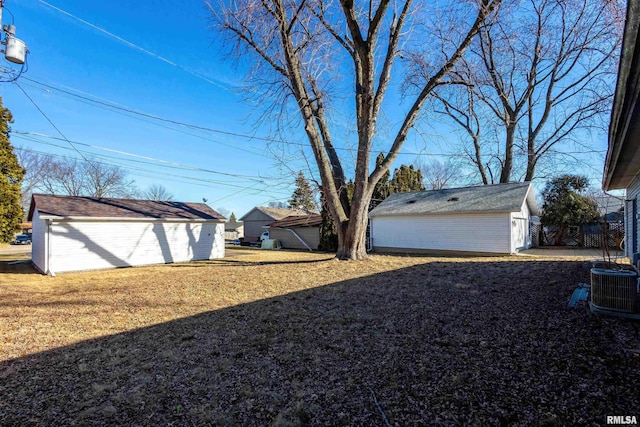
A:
<point x="128" y="219"/>
<point x="623" y="153"/>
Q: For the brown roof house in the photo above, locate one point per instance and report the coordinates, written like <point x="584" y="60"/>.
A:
<point x="84" y="233"/>
<point x="258" y="219"/>
<point x="297" y="232"/>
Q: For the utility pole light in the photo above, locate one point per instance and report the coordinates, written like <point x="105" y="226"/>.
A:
<point x="15" y="50"/>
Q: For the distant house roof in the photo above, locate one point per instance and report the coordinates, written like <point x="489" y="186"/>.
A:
<point x="233" y="225"/>
<point x="275" y="213"/>
<point x="92" y="207"/>
<point x="312" y="220"/>
<point x="608" y="204"/>
<point x="485" y="198"/>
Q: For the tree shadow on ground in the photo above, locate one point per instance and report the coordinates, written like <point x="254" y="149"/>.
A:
<point x="18" y="266"/>
<point x="443" y="343"/>
<point x="244" y="263"/>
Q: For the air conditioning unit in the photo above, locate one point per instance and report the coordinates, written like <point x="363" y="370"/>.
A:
<point x="615" y="292"/>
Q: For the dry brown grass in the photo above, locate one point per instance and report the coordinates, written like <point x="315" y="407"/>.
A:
<point x="293" y="338"/>
<point x="111" y="301"/>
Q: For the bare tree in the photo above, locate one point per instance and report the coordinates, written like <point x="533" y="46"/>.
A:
<point x="157" y="192"/>
<point x="72" y="177"/>
<point x="105" y="180"/>
<point x="36" y="168"/>
<point x="438" y="175"/>
<point x="305" y="48"/>
<point x="544" y="72"/>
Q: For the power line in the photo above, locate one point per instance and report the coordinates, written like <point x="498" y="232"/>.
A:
<point x="163" y="163"/>
<point x="139" y="48"/>
<point x="111" y="106"/>
<point x="191" y="180"/>
<point x="48" y="119"/>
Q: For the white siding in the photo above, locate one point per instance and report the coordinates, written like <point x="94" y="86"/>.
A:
<point x="520" y="237"/>
<point x="86" y="245"/>
<point x="633" y="193"/>
<point x="39" y="242"/>
<point x="470" y="232"/>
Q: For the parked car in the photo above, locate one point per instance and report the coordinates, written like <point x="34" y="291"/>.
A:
<point x="22" y="239"/>
<point x="264" y="236"/>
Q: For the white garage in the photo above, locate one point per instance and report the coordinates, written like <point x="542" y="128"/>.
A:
<point x="489" y="219"/>
<point x="84" y="233"/>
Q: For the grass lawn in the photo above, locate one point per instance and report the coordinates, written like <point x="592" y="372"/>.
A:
<point x="293" y="338"/>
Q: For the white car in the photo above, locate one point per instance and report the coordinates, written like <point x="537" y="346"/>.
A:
<point x="264" y="236"/>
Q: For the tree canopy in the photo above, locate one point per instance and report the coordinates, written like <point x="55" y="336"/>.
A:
<point x="307" y="56"/>
<point x="303" y="196"/>
<point x="565" y="203"/>
<point x="74" y="177"/>
<point x="11" y="174"/>
<point x="405" y="179"/>
<point x="537" y="77"/>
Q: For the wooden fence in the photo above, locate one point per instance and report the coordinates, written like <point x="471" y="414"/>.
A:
<point x="587" y="236"/>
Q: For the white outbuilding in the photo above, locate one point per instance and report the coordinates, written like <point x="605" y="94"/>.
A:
<point x="85" y="233"/>
<point x="488" y="219"/>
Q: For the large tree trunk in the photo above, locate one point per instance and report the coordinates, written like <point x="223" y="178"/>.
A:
<point x="352" y="243"/>
<point x="507" y="166"/>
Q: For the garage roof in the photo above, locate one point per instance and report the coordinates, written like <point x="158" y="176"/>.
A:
<point x="93" y="207"/>
<point x="313" y="220"/>
<point x="485" y="198"/>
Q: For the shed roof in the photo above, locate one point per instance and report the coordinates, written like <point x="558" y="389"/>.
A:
<point x="275" y="213"/>
<point x="479" y="199"/>
<point x="93" y="207"/>
<point x="312" y="220"/>
<point x="233" y="225"/>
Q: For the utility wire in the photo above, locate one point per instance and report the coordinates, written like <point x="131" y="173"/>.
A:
<point x="74" y="147"/>
<point x="110" y="105"/>
<point x="139" y="48"/>
<point x="145" y="172"/>
<point x="145" y="159"/>
<point x="49" y="120"/>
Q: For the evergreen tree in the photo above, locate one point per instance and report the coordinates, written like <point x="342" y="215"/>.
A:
<point x="328" y="232"/>
<point x="381" y="190"/>
<point x="566" y="205"/>
<point x="302" y="197"/>
<point x="406" y="179"/>
<point x="11" y="174"/>
<point x="232" y="218"/>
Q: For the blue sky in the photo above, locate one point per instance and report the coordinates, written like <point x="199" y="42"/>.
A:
<point x="163" y="59"/>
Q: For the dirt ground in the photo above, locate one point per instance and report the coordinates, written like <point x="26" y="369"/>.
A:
<point x="293" y="338"/>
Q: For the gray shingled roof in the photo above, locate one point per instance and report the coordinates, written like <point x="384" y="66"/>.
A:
<point x="275" y="213"/>
<point x="92" y="207"/>
<point x="485" y="198"/>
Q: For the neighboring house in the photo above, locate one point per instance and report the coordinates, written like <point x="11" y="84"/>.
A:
<point x="84" y="233"/>
<point x="257" y="219"/>
<point x="297" y="232"/>
<point x="609" y="207"/>
<point x="233" y="230"/>
<point x="489" y="219"/>
<point x="622" y="165"/>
